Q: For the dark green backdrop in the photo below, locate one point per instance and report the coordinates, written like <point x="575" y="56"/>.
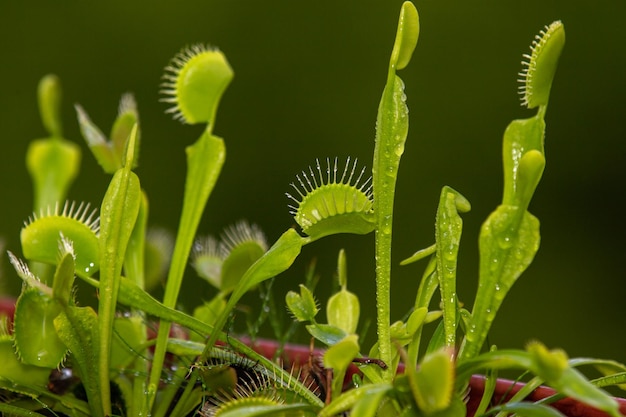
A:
<point x="308" y="80"/>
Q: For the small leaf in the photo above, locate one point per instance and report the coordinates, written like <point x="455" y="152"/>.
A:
<point x="244" y="245"/>
<point x="340" y="355"/>
<point x="342" y="310"/>
<point x="127" y="117"/>
<point x="433" y="384"/>
<point x="553" y="366"/>
<point x="303" y="305"/>
<point x="15" y="371"/>
<point x="406" y="36"/>
<point x="368" y="405"/>
<point x="36" y="341"/>
<point x="325" y="333"/>
<point x="49" y="95"/>
<point x="98" y="144"/>
<point x="53" y="164"/>
<point x="448" y="229"/>
<point x="416" y="320"/>
<point x="77" y="327"/>
<point x="549" y="365"/>
<point x="276" y="260"/>
<point x="63" y="281"/>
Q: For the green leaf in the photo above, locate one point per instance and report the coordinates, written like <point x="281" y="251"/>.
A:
<point x="433" y="382"/>
<point x="126" y="119"/>
<point x="368" y="405"/>
<point x="553" y="367"/>
<point x="276" y="260"/>
<point x="240" y="258"/>
<point x="448" y="228"/>
<point x="120" y="208"/>
<point x="63" y="281"/>
<point x="508" y="242"/>
<point x="339" y="357"/>
<point x="303" y="305"/>
<point x="17" y="372"/>
<point x="521" y="137"/>
<point x="110" y="154"/>
<point x="205" y="159"/>
<point x="325" y="333"/>
<point x="347" y="400"/>
<point x="49" y="98"/>
<point x="406" y="36"/>
<point x="100" y="147"/>
<point x="53" y="164"/>
<point x="77" y="327"/>
<point x="342" y="310"/>
<point x="36" y="341"/>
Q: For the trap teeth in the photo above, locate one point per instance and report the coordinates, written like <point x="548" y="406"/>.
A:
<point x="333" y="200"/>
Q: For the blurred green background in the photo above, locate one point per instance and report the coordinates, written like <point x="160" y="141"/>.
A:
<point x="308" y="79"/>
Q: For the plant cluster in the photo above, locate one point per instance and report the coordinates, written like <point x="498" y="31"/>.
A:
<point x="134" y="355"/>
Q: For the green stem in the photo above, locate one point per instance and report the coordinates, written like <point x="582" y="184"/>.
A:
<point x="205" y="159"/>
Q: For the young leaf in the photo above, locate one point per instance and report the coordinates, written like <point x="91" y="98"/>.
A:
<point x="406" y="36"/>
<point x="553" y="367"/>
<point x="433" y="382"/>
<point x="325" y="333"/>
<point x="49" y="98"/>
<point x="392" y="126"/>
<point x="343" y="308"/>
<point x="120" y="208"/>
<point x="338" y="357"/>
<point x="77" y="327"/>
<point x="448" y="237"/>
<point x="303" y="306"/>
<point x="276" y="260"/>
<point x="36" y="340"/>
<point x="53" y="163"/>
<point x="508" y="242"/>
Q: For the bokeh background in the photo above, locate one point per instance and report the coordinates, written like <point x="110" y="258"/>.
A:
<point x="308" y="79"/>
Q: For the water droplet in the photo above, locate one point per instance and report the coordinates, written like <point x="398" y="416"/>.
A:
<point x="505" y="242"/>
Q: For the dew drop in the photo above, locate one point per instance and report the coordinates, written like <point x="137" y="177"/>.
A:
<point x="505" y="242"/>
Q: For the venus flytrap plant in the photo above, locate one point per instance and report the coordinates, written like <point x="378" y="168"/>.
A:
<point x="190" y="373"/>
<point x="120" y="208"/>
<point x="196" y="80"/>
<point x="448" y="235"/>
<point x="509" y="238"/>
<point x="53" y="163"/>
<point x="391" y="132"/>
